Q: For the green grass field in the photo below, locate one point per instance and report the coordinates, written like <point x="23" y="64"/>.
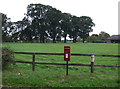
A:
<point x="54" y="75"/>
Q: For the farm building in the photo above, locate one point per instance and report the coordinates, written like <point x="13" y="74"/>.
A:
<point x="113" y="39"/>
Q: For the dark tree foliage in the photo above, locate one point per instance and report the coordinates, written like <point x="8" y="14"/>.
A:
<point x="101" y="38"/>
<point x="86" y="26"/>
<point x="54" y="18"/>
<point x="39" y="21"/>
<point x="66" y="25"/>
<point x="43" y="22"/>
<point x="6" y="28"/>
<point x="75" y="29"/>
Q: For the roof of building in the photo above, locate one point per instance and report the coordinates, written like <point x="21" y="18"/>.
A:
<point x="114" y="37"/>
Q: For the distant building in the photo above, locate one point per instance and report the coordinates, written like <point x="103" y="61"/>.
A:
<point x="113" y="39"/>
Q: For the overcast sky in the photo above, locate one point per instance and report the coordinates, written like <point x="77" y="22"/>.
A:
<point x="103" y="12"/>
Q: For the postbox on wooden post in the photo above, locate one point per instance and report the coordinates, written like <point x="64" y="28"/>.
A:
<point x="67" y="56"/>
<point x="67" y="53"/>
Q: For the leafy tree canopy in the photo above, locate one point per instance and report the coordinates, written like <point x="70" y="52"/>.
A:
<point x="43" y="22"/>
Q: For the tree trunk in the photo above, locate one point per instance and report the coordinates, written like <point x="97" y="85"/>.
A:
<point x="65" y="38"/>
<point x="83" y="40"/>
<point x="54" y="41"/>
<point x="42" y="39"/>
<point x="74" y="40"/>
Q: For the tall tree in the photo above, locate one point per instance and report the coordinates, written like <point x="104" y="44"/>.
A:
<point x="6" y="28"/>
<point x="86" y="26"/>
<point x="54" y="17"/>
<point x="43" y="22"/>
<point x="65" y="25"/>
<point x="17" y="28"/>
<point x="37" y="13"/>
<point x="24" y="26"/>
<point x="103" y="36"/>
<point x="75" y="28"/>
<point x="93" y="38"/>
<point x="81" y="27"/>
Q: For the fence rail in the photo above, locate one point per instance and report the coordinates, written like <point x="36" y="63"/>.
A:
<point x="73" y="54"/>
<point x="70" y="64"/>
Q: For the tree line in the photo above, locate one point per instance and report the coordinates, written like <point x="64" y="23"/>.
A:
<point x="98" y="38"/>
<point x="42" y="23"/>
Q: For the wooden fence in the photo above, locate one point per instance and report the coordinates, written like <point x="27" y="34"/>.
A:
<point x="71" y="64"/>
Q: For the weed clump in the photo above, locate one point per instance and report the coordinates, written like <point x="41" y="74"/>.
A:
<point x="7" y="58"/>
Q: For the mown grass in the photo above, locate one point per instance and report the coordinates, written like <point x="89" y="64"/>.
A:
<point x="54" y="75"/>
<point x="87" y="48"/>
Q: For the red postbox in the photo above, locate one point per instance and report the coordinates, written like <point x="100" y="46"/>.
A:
<point x="67" y="53"/>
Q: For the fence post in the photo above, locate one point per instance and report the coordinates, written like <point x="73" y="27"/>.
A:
<point x="92" y="63"/>
<point x="33" y="62"/>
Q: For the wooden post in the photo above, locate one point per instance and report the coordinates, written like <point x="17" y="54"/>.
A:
<point x="67" y="68"/>
<point x="1" y="30"/>
<point x="33" y="64"/>
<point x="92" y="63"/>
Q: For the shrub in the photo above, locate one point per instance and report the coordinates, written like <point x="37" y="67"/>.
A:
<point x="7" y="58"/>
